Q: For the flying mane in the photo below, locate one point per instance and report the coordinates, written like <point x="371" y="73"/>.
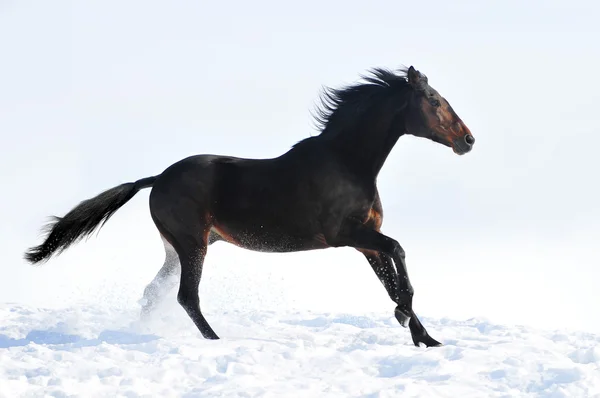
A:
<point x="340" y="108"/>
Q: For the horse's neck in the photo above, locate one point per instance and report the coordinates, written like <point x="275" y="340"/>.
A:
<point x="367" y="149"/>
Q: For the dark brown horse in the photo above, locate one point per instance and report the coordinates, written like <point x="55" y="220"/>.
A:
<point x="322" y="193"/>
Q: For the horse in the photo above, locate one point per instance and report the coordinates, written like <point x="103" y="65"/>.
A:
<point x="321" y="193"/>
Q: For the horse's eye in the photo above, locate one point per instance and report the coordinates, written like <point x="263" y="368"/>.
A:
<point x="434" y="102"/>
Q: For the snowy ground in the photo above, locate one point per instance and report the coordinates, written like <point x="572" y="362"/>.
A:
<point x="90" y="351"/>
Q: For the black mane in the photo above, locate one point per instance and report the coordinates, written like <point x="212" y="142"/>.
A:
<point x="339" y="108"/>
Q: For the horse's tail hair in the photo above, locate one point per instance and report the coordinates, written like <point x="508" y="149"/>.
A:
<point x="82" y="220"/>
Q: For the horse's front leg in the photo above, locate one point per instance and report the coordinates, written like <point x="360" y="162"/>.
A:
<point x="359" y="236"/>
<point x="384" y="269"/>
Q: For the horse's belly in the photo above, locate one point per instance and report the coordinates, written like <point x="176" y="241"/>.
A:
<point x="269" y="240"/>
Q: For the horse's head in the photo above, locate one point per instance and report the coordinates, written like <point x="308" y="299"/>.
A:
<point x="431" y="116"/>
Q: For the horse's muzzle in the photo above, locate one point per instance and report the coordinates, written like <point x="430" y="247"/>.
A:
<point x="464" y="144"/>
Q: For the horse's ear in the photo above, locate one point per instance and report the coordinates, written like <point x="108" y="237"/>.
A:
<point x="417" y="79"/>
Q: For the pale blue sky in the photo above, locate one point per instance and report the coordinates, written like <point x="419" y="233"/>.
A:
<point x="97" y="93"/>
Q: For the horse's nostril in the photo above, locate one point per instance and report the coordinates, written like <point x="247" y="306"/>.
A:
<point x="469" y="139"/>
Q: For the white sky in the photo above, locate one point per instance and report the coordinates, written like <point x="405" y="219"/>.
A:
<point x="96" y="93"/>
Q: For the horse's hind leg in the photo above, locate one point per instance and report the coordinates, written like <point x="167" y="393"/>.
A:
<point x="191" y="252"/>
<point x="384" y="269"/>
<point x="166" y="278"/>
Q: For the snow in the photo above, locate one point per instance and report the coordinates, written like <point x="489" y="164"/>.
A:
<point x="98" y="350"/>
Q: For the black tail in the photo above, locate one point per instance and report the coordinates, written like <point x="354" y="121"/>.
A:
<point x="84" y="219"/>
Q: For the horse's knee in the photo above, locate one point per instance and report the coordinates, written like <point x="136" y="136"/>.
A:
<point x="397" y="251"/>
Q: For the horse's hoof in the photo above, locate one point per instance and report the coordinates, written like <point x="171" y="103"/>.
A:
<point x="402" y="317"/>
<point x="209" y="335"/>
<point x="427" y="340"/>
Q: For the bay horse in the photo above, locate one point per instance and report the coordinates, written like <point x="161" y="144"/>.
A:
<point x="321" y="193"/>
